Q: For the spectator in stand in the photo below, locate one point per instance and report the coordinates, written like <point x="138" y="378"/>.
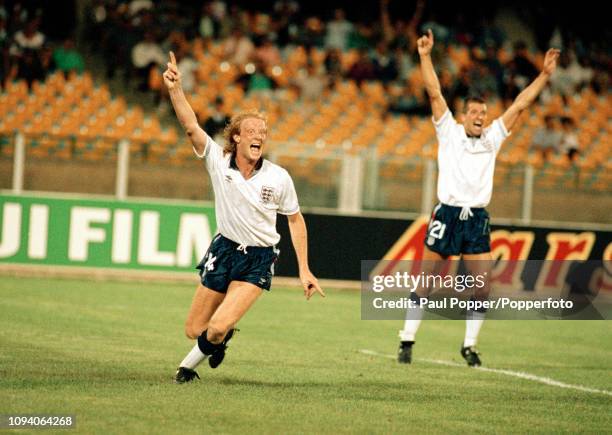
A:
<point x="96" y="26"/>
<point x="260" y="25"/>
<point x="4" y="36"/>
<point x="482" y="80"/>
<point x="383" y="60"/>
<point x="583" y="72"/>
<point x="404" y="61"/>
<point x="546" y="139"/>
<point x="601" y="80"/>
<point x="176" y="41"/>
<point x="220" y="16"/>
<point x="410" y="102"/>
<point x="460" y="88"/>
<point x="137" y="6"/>
<point x="569" y="140"/>
<point x="511" y="88"/>
<point x="461" y="34"/>
<point x="362" y="69"/>
<point x="489" y="35"/>
<point x="4" y="52"/>
<point x="571" y="76"/>
<point x="285" y="17"/>
<point x="311" y="83"/>
<point x="523" y="69"/>
<point x="313" y="33"/>
<point x="28" y="39"/>
<point x="491" y="61"/>
<point x="147" y="54"/>
<point x="112" y="38"/>
<point x="338" y="31"/>
<point x="67" y="58"/>
<point x="562" y="82"/>
<point x="209" y="26"/>
<point x="362" y="37"/>
<point x="18" y="18"/>
<point x="256" y="79"/>
<point x="401" y="34"/>
<point x="238" y="47"/>
<point x="267" y="53"/>
<point x="46" y="60"/>
<point x="29" y="67"/>
<point x="216" y="122"/>
<point x="333" y="64"/>
<point x="442" y="32"/>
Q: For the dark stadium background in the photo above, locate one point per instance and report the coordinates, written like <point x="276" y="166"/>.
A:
<point x="586" y="19"/>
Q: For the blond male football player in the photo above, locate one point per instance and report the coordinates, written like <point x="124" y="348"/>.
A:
<point x="459" y="223"/>
<point x="239" y="265"/>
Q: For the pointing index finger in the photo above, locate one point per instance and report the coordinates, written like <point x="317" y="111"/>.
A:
<point x="172" y="58"/>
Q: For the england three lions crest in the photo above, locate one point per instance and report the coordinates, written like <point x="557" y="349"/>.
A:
<point x="267" y="194"/>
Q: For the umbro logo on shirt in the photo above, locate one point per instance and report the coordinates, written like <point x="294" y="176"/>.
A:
<point x="228" y="178"/>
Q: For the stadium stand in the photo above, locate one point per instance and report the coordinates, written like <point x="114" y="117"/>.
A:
<point x="75" y="116"/>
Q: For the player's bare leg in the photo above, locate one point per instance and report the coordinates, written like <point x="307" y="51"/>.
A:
<point x="477" y="265"/>
<point x="240" y="297"/>
<point x="212" y="341"/>
<point x="204" y="304"/>
<point x="432" y="263"/>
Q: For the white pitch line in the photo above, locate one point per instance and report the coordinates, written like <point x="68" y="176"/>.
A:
<point x="521" y="375"/>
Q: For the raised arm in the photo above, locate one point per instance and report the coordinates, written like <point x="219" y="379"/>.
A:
<point x="385" y="20"/>
<point x="432" y="84"/>
<point x="531" y="92"/>
<point x="184" y="112"/>
<point x="413" y="24"/>
<point x="297" y="228"/>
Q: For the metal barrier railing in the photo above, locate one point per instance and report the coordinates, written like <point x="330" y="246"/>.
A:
<point x="352" y="183"/>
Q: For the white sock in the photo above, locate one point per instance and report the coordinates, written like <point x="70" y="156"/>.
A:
<point x="414" y="315"/>
<point x="193" y="358"/>
<point x="473" y="323"/>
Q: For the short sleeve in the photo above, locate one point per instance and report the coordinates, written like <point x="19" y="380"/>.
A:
<point x="288" y="202"/>
<point x="497" y="133"/>
<point x="213" y="153"/>
<point x="444" y="125"/>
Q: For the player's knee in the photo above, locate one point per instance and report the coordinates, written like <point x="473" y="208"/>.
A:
<point x="191" y="332"/>
<point x="217" y="331"/>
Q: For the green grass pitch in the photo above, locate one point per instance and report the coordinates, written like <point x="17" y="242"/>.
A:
<point x="106" y="352"/>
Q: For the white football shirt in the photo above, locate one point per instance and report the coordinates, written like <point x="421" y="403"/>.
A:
<point x="246" y="209"/>
<point x="466" y="165"/>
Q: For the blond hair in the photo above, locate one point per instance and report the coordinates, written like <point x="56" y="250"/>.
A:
<point x="233" y="128"/>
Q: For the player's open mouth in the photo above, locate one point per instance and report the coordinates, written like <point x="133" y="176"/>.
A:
<point x="256" y="146"/>
<point x="478" y="124"/>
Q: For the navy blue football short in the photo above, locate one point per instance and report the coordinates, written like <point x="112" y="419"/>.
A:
<point x="227" y="261"/>
<point x="447" y="234"/>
